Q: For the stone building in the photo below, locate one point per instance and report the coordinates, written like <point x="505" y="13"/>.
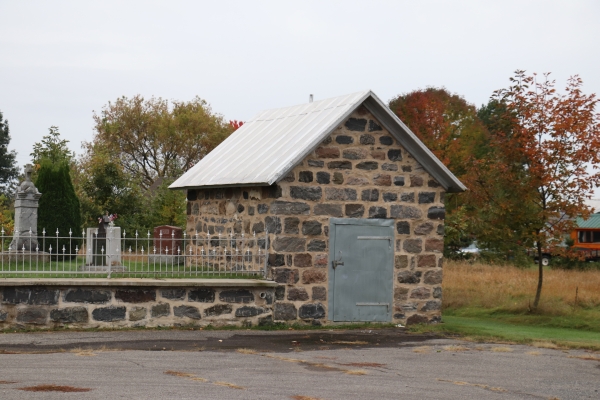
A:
<point x="352" y="201"/>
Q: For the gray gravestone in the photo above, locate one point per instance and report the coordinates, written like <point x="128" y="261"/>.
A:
<point x="26" y="213"/>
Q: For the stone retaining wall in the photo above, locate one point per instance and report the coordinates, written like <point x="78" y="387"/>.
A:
<point x="133" y="306"/>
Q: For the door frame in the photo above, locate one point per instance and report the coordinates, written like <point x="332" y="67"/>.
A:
<point x="330" y="271"/>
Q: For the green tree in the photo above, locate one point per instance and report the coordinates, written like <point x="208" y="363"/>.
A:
<point x="8" y="165"/>
<point x="59" y="208"/>
<point x="52" y="148"/>
<point x="156" y="138"/>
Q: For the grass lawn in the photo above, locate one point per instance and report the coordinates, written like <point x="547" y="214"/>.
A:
<point x="484" y="302"/>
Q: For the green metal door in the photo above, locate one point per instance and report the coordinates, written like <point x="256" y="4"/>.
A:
<point x="361" y="269"/>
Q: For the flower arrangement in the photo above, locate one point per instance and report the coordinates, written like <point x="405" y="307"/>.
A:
<point x="110" y="219"/>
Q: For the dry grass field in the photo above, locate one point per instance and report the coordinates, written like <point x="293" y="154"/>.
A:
<point x="510" y="289"/>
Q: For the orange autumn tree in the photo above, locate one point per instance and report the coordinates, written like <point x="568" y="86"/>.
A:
<point x="548" y="159"/>
<point x="450" y="127"/>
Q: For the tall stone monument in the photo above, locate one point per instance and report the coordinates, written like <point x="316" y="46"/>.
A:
<point x="26" y="214"/>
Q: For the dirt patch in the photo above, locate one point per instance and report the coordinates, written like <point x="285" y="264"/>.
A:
<point x="54" y="388"/>
<point x="364" y="364"/>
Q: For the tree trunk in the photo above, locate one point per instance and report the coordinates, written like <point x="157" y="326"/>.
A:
<point x="538" y="292"/>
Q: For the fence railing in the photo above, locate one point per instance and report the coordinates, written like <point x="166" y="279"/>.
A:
<point x="114" y="254"/>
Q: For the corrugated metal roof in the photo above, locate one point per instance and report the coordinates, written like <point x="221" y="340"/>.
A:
<point x="269" y="145"/>
<point x="593" y="222"/>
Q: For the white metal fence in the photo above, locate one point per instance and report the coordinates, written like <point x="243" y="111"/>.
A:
<point x="117" y="255"/>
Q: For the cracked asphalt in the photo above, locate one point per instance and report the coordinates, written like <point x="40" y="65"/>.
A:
<point x="354" y="364"/>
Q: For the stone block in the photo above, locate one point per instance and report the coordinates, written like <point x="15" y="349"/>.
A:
<point x="377" y="212"/>
<point x="431" y="305"/>
<point x="248" y="311"/>
<point x="370" y="195"/>
<point x="262" y="208"/>
<point x="407" y="197"/>
<point x="409" y="277"/>
<point x="312" y="193"/>
<point x="289" y="208"/>
<point x="69" y="315"/>
<point x="315" y="163"/>
<point x="187" y="312"/>
<point x="3" y="316"/>
<point x="236" y="296"/>
<point x="290" y="225"/>
<point x="392" y="167"/>
<point x="395" y="155"/>
<point x="406" y="168"/>
<point x="401" y="294"/>
<point x="109" y="314"/>
<point x="437" y="292"/>
<point x="297" y="294"/>
<point x="276" y="260"/>
<point x="29" y="295"/>
<point x="420" y="293"/>
<point x="313" y="276"/>
<point x="303" y="260"/>
<point x="367" y="139"/>
<point x="305" y="176"/>
<point x="433" y="278"/>
<point x="34" y="316"/>
<point x="416" y="181"/>
<point x="403" y="228"/>
<point x="424" y="229"/>
<point x="135" y="295"/>
<point x="316" y="245"/>
<point x="311" y="228"/>
<point x="173" y="294"/>
<point x="435" y="245"/>
<point x="368" y="165"/>
<point x="440" y="229"/>
<point x="342" y="194"/>
<point x="319" y="293"/>
<point x="311" y="311"/>
<point x="344" y="139"/>
<point x="90" y="296"/>
<point x="357" y="181"/>
<point x="378" y="155"/>
<point x="426" y="261"/>
<point x="333" y="210"/>
<point x="356" y="124"/>
<point x="398" y="181"/>
<point x="386" y="140"/>
<point x="339" y="165"/>
<point x="280" y="292"/>
<point x="323" y="177"/>
<point x="286" y="275"/>
<point x="273" y="225"/>
<point x="289" y="244"/>
<point x="405" y="212"/>
<point x="401" y="261"/>
<point x="321" y="260"/>
<point x="436" y="213"/>
<point x="202" y="295"/>
<point x="218" y="309"/>
<point x="160" y="310"/>
<point x="374" y="127"/>
<point x="432" y="183"/>
<point x="390" y="197"/>
<point x="382" y="180"/>
<point x="426" y="197"/>
<point x="327" y="152"/>
<point x="413" y="245"/>
<point x="137" y="313"/>
<point x="338" y="178"/>
<point x="355" y="210"/>
<point x="355" y="154"/>
<point x="284" y="312"/>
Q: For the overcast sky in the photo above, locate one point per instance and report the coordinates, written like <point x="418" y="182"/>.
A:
<point x="61" y="60"/>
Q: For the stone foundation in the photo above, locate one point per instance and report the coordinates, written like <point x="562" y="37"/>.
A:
<point x="116" y="303"/>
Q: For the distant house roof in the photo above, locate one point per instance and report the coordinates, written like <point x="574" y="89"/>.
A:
<point x="267" y="147"/>
<point x="593" y="222"/>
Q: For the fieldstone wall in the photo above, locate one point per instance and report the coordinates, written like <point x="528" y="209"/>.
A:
<point x="360" y="171"/>
<point x="133" y="306"/>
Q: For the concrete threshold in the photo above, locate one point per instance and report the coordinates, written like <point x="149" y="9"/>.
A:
<point x="136" y="282"/>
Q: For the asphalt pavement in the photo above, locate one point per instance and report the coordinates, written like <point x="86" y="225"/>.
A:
<point x="301" y="365"/>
